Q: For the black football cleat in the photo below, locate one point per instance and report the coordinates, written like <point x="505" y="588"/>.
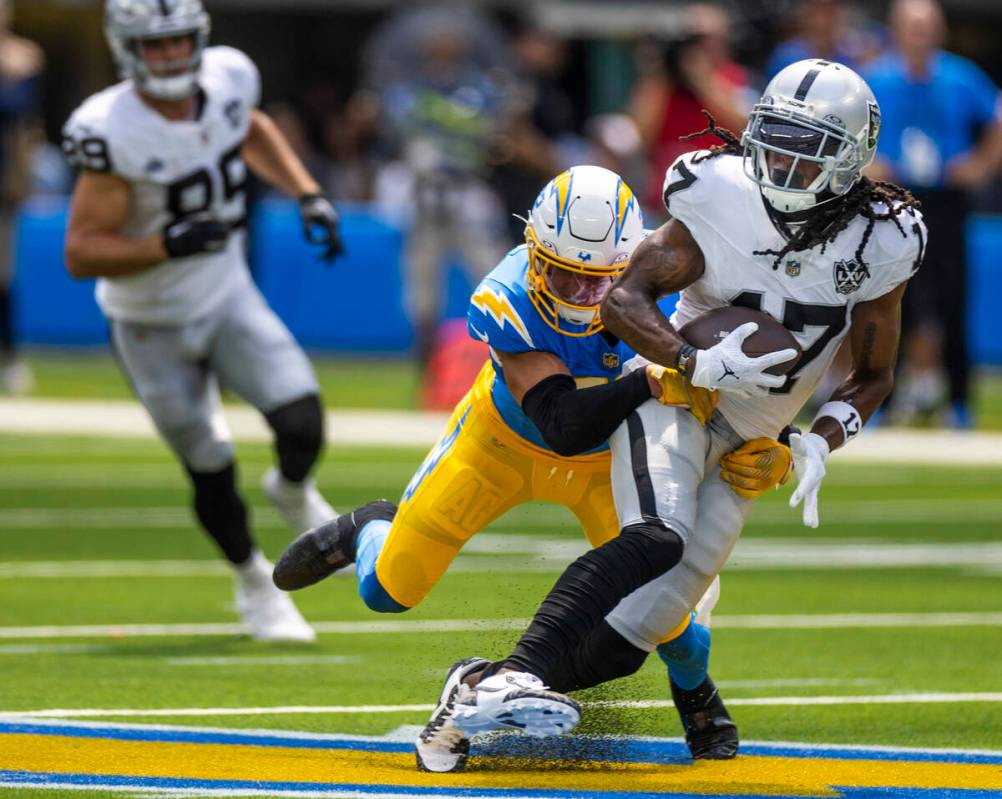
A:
<point x="320" y="552"/>
<point x="709" y="732"/>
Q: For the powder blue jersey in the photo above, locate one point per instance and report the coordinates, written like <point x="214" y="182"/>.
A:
<point x="502" y="315"/>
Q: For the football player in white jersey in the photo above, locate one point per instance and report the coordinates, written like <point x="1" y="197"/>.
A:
<point x="781" y="220"/>
<point x="158" y="217"/>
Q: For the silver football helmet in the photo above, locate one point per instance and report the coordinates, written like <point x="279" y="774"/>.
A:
<point x="128" y="22"/>
<point x="813" y="112"/>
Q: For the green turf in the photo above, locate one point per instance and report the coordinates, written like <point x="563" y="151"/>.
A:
<point x="346" y="382"/>
<point x="80" y="499"/>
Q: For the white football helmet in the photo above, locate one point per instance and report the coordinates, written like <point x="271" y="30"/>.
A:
<point x="128" y="22"/>
<point x="813" y="112"/>
<point x="580" y="234"/>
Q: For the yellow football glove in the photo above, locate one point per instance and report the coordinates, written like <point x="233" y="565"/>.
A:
<point x="678" y="391"/>
<point x="756" y="466"/>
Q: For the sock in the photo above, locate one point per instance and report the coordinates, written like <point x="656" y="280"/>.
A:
<point x="368" y="545"/>
<point x="688" y="656"/>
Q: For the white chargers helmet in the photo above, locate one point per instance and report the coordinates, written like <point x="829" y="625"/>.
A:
<point x="813" y="112"/>
<point x="128" y="22"/>
<point x="580" y="234"/>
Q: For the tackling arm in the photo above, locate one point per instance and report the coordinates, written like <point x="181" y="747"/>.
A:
<point x="571" y="420"/>
<point x="271" y="157"/>
<point x="94" y="245"/>
<point x="665" y="262"/>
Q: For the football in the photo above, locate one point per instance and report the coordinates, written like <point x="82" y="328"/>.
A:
<point x="709" y="328"/>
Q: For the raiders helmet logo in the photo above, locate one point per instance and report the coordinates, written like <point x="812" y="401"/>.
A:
<point x="849" y="276"/>
<point x="873" y="125"/>
<point x="611" y="360"/>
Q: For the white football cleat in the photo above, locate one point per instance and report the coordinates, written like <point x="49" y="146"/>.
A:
<point x="300" y="504"/>
<point x="267" y="612"/>
<point x="442" y="747"/>
<point x="515" y="700"/>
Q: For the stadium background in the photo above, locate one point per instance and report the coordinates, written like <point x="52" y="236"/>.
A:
<point x="312" y="48"/>
<point x="879" y="630"/>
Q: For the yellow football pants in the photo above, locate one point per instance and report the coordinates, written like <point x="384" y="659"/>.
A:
<point x="478" y="470"/>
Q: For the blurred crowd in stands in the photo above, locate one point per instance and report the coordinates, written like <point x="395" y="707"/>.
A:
<point x="460" y="114"/>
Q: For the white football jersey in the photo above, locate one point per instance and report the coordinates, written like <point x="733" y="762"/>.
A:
<point x="176" y="169"/>
<point x="812" y="293"/>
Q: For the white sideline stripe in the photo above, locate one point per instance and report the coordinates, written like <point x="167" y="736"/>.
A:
<point x="233" y="628"/>
<point x="406" y="733"/>
<point x="127" y="419"/>
<point x="121" y="475"/>
<point x="402" y="734"/>
<point x="52" y="649"/>
<point x="56" y="473"/>
<point x="799" y="701"/>
<point x="221" y="711"/>
<point x="264" y="660"/>
<point x="522" y="554"/>
<point x="851" y="513"/>
<point x="643" y="704"/>
<point x="795" y="682"/>
<point x="810" y="621"/>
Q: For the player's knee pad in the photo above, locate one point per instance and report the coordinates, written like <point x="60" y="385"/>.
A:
<point x="688" y="656"/>
<point x="602" y="656"/>
<point x="661" y="546"/>
<point x="376" y="597"/>
<point x="299" y="435"/>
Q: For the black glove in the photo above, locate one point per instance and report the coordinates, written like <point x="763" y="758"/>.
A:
<point x="320" y="224"/>
<point x="193" y="236"/>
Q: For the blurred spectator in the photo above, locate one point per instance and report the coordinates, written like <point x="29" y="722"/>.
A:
<point x="823" y="31"/>
<point x="437" y="86"/>
<point x="679" y="79"/>
<point x="21" y="64"/>
<point x="941" y="137"/>
<point x="542" y="125"/>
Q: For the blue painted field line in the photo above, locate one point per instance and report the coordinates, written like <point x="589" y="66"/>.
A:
<point x="26" y="778"/>
<point x="573" y="747"/>
<point x="190" y="736"/>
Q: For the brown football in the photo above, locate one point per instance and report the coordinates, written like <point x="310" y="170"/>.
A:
<point x="708" y="329"/>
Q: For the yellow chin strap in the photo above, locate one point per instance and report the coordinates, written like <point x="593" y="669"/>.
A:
<point x="549" y="304"/>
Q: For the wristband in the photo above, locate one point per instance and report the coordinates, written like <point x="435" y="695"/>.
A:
<point x="846" y="415"/>
<point x="686" y="359"/>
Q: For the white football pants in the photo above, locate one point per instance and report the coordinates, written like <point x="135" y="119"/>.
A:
<point x="665" y="465"/>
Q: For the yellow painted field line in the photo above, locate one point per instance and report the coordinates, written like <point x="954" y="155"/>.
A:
<point x="744" y="775"/>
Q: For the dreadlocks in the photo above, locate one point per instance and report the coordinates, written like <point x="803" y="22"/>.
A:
<point x="823" y="228"/>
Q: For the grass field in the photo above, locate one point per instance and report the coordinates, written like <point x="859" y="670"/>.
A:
<point x="96" y="532"/>
<point x="349" y="382"/>
<point x="882" y="628"/>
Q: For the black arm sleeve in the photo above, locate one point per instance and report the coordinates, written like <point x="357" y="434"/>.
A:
<point x="574" y="420"/>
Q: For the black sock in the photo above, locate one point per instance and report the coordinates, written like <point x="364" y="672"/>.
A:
<point x="222" y="512"/>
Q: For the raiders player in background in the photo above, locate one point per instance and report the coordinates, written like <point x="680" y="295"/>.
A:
<point x="782" y="221"/>
<point x="158" y="217"/>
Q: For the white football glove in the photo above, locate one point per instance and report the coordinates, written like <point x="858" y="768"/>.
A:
<point x="810" y="452"/>
<point x="725" y="367"/>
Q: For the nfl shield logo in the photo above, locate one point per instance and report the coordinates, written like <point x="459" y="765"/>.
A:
<point x="849" y="276"/>
<point x="792" y="268"/>
<point x="611" y="360"/>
